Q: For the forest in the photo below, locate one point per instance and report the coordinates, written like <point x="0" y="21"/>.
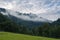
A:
<point x="46" y="30"/>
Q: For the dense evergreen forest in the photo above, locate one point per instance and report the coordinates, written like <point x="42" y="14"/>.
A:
<point x="47" y="29"/>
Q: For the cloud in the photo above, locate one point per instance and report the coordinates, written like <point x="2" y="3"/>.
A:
<point x="44" y="7"/>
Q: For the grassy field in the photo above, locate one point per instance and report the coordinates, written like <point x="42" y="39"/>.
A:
<point x="13" y="36"/>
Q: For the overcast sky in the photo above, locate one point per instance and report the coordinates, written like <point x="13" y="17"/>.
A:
<point x="49" y="9"/>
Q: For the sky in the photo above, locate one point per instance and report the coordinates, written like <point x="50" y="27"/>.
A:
<point x="49" y="9"/>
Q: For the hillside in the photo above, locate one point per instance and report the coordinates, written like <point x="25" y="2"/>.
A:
<point x="44" y="29"/>
<point x="14" y="36"/>
<point x="28" y="20"/>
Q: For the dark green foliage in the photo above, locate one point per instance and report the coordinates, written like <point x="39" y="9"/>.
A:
<point x="25" y="23"/>
<point x="2" y="18"/>
<point x="7" y="25"/>
<point x="47" y="29"/>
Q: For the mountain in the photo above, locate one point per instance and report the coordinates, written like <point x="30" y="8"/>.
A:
<point x="24" y="16"/>
<point x="12" y="21"/>
<point x="7" y="25"/>
<point x="2" y="10"/>
<point x="57" y="22"/>
<point x="26" y="19"/>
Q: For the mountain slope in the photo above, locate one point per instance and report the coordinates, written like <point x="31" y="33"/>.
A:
<point x="7" y="25"/>
<point x="57" y="22"/>
<point x="24" y="16"/>
<point x="28" y="20"/>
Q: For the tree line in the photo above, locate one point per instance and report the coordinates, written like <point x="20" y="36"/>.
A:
<point x="47" y="29"/>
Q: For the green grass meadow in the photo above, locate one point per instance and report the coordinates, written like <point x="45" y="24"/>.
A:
<point x="14" y="36"/>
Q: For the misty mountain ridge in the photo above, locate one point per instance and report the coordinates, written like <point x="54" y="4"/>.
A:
<point x="24" y="16"/>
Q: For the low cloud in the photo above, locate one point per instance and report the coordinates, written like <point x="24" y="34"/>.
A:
<point x="44" y="7"/>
